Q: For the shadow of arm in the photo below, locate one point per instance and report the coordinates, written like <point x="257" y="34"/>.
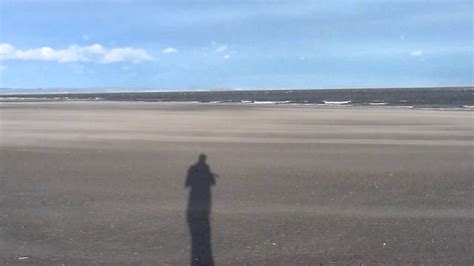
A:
<point x="188" y="178"/>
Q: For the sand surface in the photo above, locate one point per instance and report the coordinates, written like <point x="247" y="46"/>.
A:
<point x="86" y="183"/>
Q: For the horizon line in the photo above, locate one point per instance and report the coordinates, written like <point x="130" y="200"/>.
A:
<point x="35" y="91"/>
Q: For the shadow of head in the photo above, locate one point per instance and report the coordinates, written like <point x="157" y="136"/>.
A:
<point x="202" y="158"/>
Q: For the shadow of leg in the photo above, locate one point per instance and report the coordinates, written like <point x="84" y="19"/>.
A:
<point x="200" y="229"/>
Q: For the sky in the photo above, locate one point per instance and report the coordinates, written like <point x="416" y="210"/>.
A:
<point x="181" y="45"/>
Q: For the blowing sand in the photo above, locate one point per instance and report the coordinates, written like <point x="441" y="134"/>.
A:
<point x="103" y="182"/>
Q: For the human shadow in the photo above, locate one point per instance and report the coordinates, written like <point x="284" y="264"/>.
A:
<point x="199" y="180"/>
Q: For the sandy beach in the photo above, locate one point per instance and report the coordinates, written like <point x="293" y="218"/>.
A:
<point x="104" y="182"/>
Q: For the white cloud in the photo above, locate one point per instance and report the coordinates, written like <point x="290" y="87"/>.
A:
<point x="95" y="48"/>
<point x="417" y="53"/>
<point x="126" y="54"/>
<point x="169" y="50"/>
<point x="95" y="53"/>
<point x="6" y="49"/>
<point x="221" y="49"/>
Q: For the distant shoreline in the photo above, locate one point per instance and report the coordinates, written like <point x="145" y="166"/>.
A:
<point x="435" y="97"/>
<point x="62" y="91"/>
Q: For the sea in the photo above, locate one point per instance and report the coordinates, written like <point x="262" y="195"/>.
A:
<point x="433" y="98"/>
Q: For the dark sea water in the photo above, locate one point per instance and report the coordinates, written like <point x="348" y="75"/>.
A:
<point x="455" y="97"/>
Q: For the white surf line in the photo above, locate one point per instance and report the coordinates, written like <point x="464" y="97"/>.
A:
<point x="336" y="102"/>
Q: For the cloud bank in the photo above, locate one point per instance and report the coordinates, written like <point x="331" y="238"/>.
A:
<point x="95" y="53"/>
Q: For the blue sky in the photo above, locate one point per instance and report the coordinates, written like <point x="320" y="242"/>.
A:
<point x="145" y="44"/>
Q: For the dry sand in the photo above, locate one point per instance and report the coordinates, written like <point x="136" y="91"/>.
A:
<point x="103" y="182"/>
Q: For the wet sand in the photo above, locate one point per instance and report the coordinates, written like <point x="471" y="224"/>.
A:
<point x="104" y="182"/>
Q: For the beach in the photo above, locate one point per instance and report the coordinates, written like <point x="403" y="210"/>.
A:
<point x="104" y="182"/>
